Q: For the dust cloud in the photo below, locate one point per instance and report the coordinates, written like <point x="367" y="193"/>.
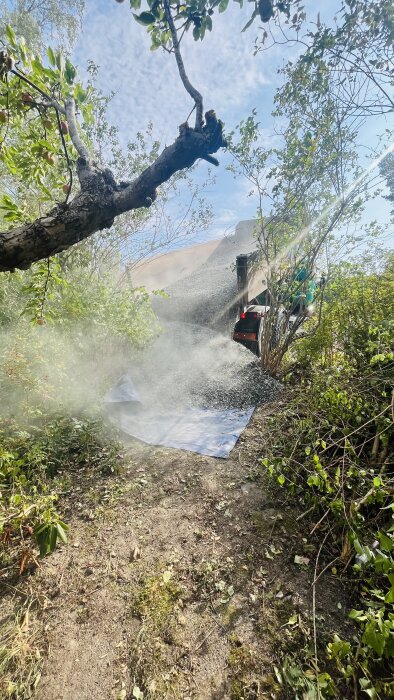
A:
<point x="186" y="365"/>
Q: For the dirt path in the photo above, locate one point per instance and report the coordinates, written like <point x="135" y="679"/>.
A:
<point x="179" y="581"/>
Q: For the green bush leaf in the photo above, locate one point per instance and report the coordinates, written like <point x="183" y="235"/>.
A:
<point x="145" y="18"/>
<point x="61" y="530"/>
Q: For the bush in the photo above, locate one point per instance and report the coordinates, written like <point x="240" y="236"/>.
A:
<point x="67" y="333"/>
<point x="333" y="448"/>
<point x="29" y="459"/>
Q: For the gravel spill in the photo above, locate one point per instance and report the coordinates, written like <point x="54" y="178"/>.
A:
<point x="190" y="365"/>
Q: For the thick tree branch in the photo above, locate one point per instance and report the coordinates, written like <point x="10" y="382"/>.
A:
<point x="194" y="94"/>
<point x="73" y="130"/>
<point x="101" y="199"/>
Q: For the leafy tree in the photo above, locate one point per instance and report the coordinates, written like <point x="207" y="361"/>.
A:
<point x="310" y="193"/>
<point x="41" y="21"/>
<point x="354" y="54"/>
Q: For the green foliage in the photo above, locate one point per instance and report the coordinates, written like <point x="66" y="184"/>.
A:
<point x="47" y="535"/>
<point x="66" y="334"/>
<point x="387" y="170"/>
<point x="30" y="457"/>
<point x="38" y="160"/>
<point x="306" y="189"/>
<point x="40" y="20"/>
<point x="197" y="16"/>
<point x="116" y="311"/>
<point x="337" y="457"/>
<point x="350" y="57"/>
<point x="356" y="323"/>
<point x="37" y="155"/>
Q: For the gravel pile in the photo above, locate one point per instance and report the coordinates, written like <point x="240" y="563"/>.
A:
<point x="251" y="388"/>
<point x="191" y="365"/>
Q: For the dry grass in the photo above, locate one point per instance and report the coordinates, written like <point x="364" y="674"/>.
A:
<point x="22" y="645"/>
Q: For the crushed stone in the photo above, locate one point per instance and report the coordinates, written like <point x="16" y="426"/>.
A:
<point x="191" y="365"/>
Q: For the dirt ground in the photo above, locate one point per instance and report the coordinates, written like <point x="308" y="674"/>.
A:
<point x="178" y="581"/>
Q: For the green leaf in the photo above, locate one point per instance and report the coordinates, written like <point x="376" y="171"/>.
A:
<point x="357" y="615"/>
<point x="389" y="597"/>
<point x="223" y="5"/>
<point x="386" y="543"/>
<point x="80" y="95"/>
<point x="59" y="61"/>
<point x="70" y="72"/>
<point x="52" y="538"/>
<point x="51" y="56"/>
<point x="374" y="638"/>
<point x="145" y="18"/>
<point x="42" y="536"/>
<point x="281" y="479"/>
<point x="61" y="527"/>
<point x="10" y="34"/>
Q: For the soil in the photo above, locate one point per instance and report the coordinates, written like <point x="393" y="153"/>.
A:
<point x="179" y="580"/>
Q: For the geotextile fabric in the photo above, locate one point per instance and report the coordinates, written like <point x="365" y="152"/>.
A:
<point x="209" y="431"/>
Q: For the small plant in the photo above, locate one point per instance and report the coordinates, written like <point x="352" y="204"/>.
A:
<point x="243" y="667"/>
<point x="47" y="535"/>
<point x="29" y="461"/>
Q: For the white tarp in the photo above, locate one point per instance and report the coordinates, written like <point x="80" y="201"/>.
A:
<point x="211" y="432"/>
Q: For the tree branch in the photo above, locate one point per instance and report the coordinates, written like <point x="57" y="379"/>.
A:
<point x="50" y="101"/>
<point x="73" y="130"/>
<point x="101" y="199"/>
<point x="194" y="94"/>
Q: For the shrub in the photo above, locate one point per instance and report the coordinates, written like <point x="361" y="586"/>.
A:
<point x="333" y="448"/>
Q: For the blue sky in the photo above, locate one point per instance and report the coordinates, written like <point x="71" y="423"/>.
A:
<point x="223" y="67"/>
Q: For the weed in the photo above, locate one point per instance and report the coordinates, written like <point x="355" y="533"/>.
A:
<point x="332" y="449"/>
<point x="156" y="603"/>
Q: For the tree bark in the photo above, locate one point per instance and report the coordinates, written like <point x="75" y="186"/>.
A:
<point x="101" y="199"/>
